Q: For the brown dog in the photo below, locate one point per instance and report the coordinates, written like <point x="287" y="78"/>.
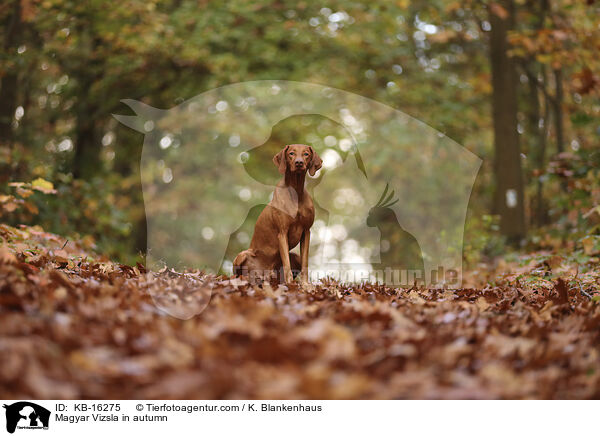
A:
<point x="285" y="222"/>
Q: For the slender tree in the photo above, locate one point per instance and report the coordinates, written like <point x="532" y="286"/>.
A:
<point x="558" y="112"/>
<point x="508" y="196"/>
<point x="9" y="80"/>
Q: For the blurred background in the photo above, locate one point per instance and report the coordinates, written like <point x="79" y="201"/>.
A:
<point x="514" y="81"/>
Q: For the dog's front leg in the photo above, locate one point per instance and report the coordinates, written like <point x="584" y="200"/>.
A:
<point x="284" y="252"/>
<point x="304" y="244"/>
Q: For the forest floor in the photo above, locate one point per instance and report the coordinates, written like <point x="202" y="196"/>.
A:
<point x="74" y="325"/>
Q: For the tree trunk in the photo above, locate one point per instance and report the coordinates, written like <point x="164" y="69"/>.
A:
<point x="558" y="114"/>
<point x="508" y="196"/>
<point x="534" y="129"/>
<point x="541" y="211"/>
<point x="9" y="81"/>
<point x="538" y="132"/>
<point x="86" y="162"/>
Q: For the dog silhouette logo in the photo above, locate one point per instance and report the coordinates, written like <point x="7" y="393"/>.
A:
<point x="26" y="415"/>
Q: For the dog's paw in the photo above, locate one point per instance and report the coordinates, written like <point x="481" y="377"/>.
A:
<point x="289" y="278"/>
<point x="307" y="287"/>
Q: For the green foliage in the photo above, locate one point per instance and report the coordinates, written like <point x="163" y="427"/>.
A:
<point x="18" y="206"/>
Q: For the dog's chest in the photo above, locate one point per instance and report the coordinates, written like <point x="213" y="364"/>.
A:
<point x="304" y="220"/>
<point x="295" y="234"/>
<point x="306" y="212"/>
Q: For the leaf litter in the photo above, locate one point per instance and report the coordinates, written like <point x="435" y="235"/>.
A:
<point x="74" y="325"/>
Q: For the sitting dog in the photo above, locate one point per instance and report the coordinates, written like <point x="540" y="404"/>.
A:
<point x="285" y="222"/>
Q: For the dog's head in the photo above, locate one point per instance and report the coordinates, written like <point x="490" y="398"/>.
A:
<point x="297" y="158"/>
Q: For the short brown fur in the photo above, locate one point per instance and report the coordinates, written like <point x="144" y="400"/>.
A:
<point x="284" y="223"/>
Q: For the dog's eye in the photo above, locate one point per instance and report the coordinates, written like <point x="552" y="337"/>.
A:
<point x="305" y="154"/>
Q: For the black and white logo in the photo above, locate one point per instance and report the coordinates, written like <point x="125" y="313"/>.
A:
<point x="26" y="415"/>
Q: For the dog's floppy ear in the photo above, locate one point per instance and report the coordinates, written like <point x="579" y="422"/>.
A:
<point x="315" y="164"/>
<point x="280" y="161"/>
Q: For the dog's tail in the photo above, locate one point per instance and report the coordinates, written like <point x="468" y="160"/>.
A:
<point x="240" y="262"/>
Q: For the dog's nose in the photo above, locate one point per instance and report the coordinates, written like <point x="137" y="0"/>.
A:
<point x="298" y="163"/>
